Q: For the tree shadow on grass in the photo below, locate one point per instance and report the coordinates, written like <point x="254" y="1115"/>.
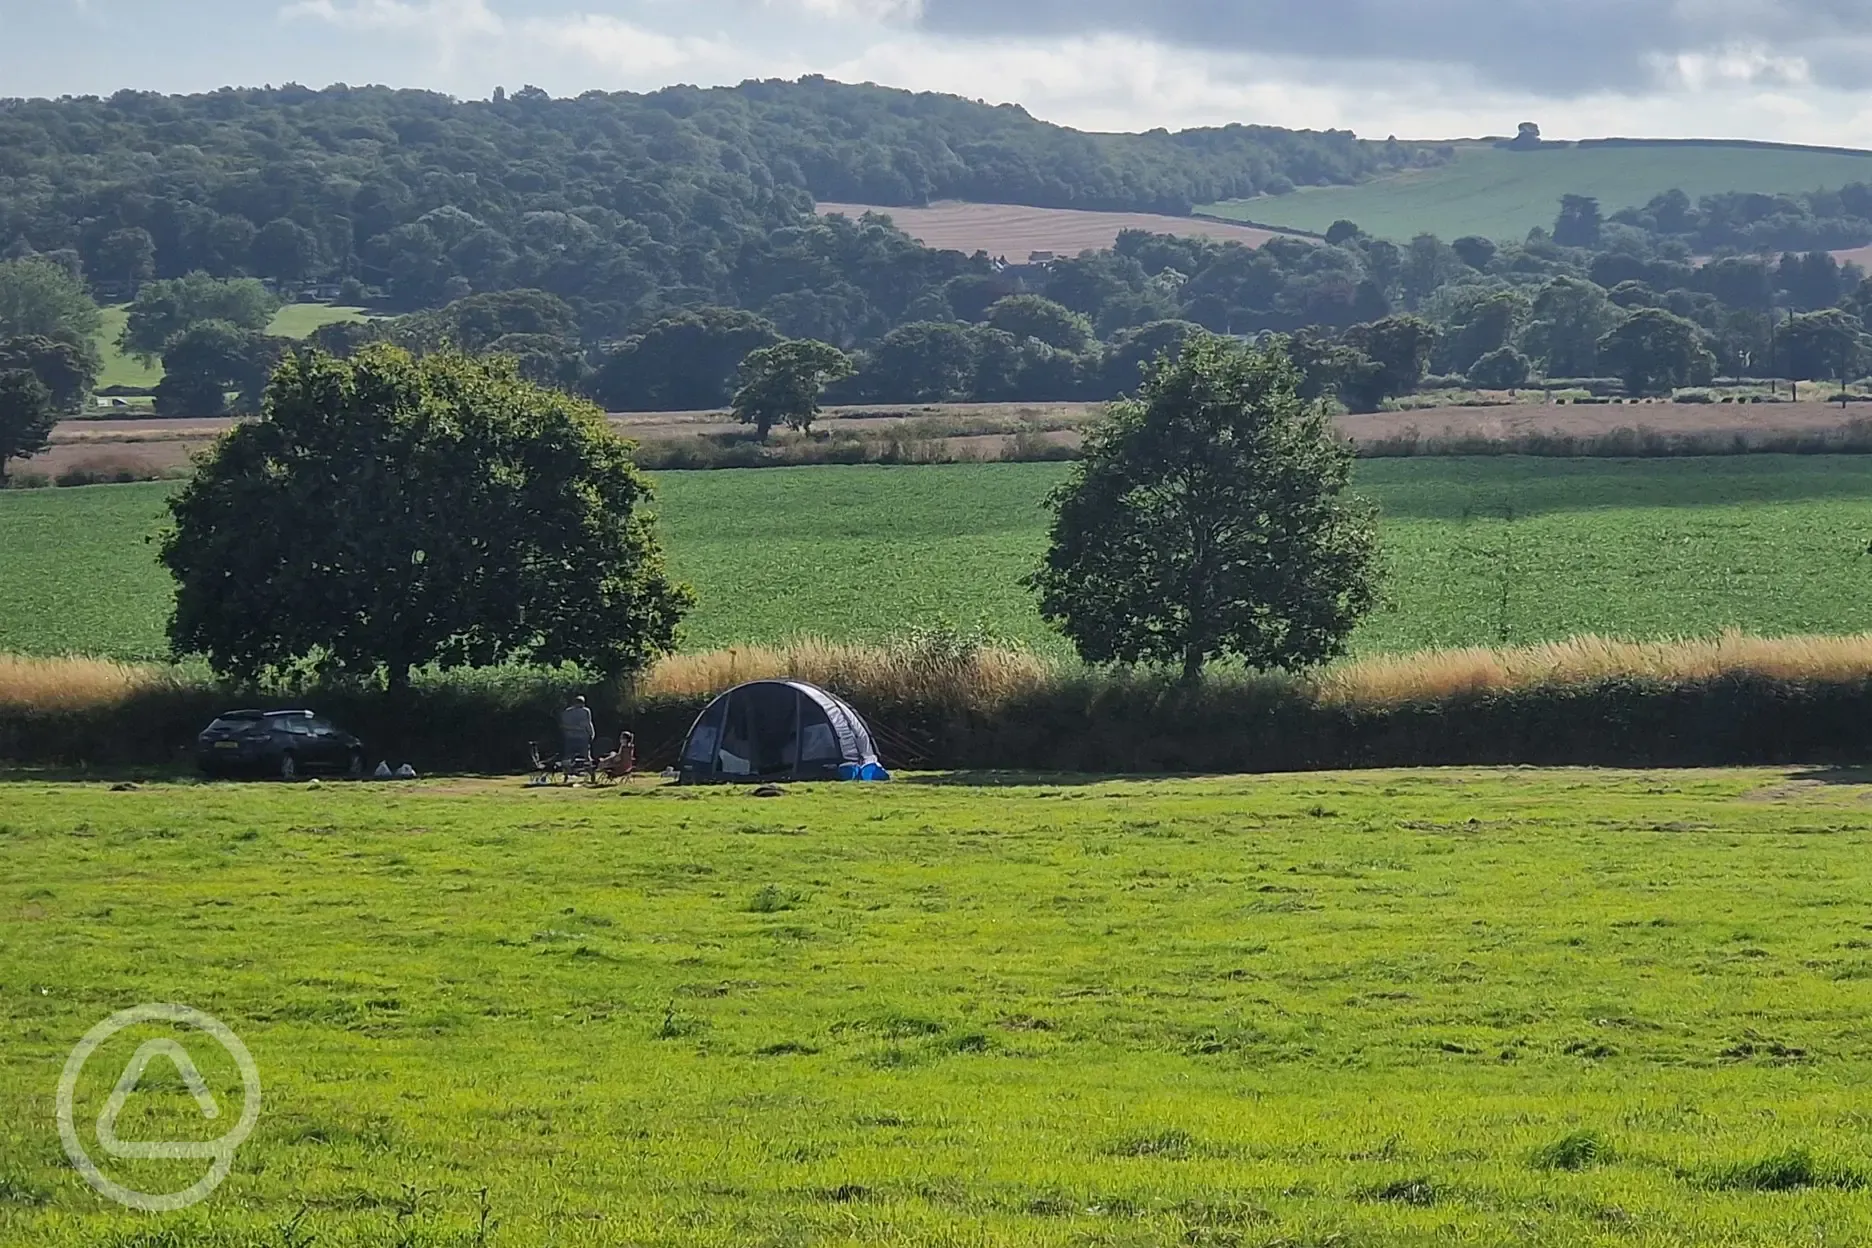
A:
<point x="32" y="773"/>
<point x="1858" y="774"/>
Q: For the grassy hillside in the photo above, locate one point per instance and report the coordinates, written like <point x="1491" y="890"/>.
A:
<point x="121" y="369"/>
<point x="1397" y="1009"/>
<point x="295" y="320"/>
<point x="1504" y="194"/>
<point x="298" y="320"/>
<point x="1645" y="548"/>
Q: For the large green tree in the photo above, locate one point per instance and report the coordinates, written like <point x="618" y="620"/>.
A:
<point x="1654" y="351"/>
<point x="43" y="299"/>
<point x="26" y="417"/>
<point x="164" y="310"/>
<point x="207" y="361"/>
<point x="682" y="363"/>
<point x="1210" y="518"/>
<point x="1579" y="223"/>
<point x="782" y="384"/>
<point x="1401" y="346"/>
<point x="922" y="362"/>
<point x="66" y="371"/>
<point x="126" y="256"/>
<point x="285" y="251"/>
<point x="477" y="322"/>
<point x="1473" y="321"/>
<point x="1821" y="346"/>
<point x="1031" y="316"/>
<point x="390" y="513"/>
<point x="1569" y="317"/>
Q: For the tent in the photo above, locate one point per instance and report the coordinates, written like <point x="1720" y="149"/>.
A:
<point x="779" y="730"/>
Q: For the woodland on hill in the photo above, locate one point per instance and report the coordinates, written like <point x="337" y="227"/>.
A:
<point x="636" y="248"/>
<point x="620" y="204"/>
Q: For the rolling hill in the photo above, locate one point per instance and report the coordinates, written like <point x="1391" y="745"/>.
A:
<point x="1501" y="194"/>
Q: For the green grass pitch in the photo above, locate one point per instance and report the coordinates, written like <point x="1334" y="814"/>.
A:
<point x="1425" y="1009"/>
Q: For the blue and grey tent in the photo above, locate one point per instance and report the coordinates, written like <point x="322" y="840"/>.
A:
<point x="779" y="730"/>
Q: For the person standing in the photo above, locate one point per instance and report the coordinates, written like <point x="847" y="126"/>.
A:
<point x="576" y="731"/>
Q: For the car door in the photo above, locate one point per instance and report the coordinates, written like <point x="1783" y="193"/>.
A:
<point x="299" y="741"/>
<point x="333" y="754"/>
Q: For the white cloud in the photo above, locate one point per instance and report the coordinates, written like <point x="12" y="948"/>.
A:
<point x="445" y="18"/>
<point x="1734" y="66"/>
<point x="620" y="45"/>
<point x="1111" y="81"/>
<point x="852" y="10"/>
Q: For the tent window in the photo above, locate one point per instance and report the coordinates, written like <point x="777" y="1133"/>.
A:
<point x="818" y="742"/>
<point x="704" y="737"/>
<point x="761" y="734"/>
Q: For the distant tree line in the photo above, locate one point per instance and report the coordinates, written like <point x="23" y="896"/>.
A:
<point x="1751" y="222"/>
<point x="622" y="205"/>
<point x="1366" y="319"/>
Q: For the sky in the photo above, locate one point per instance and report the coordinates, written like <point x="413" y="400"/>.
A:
<point x="1789" y="70"/>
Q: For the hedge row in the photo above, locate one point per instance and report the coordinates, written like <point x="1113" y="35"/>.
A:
<point x="1086" y="724"/>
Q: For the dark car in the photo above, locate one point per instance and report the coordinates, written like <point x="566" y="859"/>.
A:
<point x="286" y="744"/>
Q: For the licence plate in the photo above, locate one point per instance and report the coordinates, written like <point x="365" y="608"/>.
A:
<point x="227" y="745"/>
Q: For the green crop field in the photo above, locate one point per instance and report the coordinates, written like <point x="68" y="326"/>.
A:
<point x="295" y="320"/>
<point x="1438" y="1008"/>
<point x="1480" y="551"/>
<point x="1503" y="194"/>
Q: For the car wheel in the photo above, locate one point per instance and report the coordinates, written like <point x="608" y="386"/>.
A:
<point x="288" y="767"/>
<point x="356" y="768"/>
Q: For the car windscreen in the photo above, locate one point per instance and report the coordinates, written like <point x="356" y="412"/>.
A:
<point x="237" y="724"/>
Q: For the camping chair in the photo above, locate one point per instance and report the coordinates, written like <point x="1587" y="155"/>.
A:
<point x="545" y="768"/>
<point x="621" y="764"/>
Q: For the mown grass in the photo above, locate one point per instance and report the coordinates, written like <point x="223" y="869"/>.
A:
<point x="121" y="369"/>
<point x="1565" y="1007"/>
<point x="298" y="320"/>
<point x="295" y="320"/>
<point x="1481" y="552"/>
<point x="1504" y="194"/>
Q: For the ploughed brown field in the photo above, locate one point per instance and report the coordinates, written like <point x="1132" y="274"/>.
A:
<point x="1861" y="256"/>
<point x="156" y="446"/>
<point x="1015" y="232"/>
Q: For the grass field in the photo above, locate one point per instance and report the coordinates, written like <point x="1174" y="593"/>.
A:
<point x="1504" y="194"/>
<point x="1438" y="1008"/>
<point x="295" y="320"/>
<point x="1631" y="548"/>
<point x="121" y="369"/>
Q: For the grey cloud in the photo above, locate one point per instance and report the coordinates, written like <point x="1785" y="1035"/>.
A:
<point x="1554" y="47"/>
